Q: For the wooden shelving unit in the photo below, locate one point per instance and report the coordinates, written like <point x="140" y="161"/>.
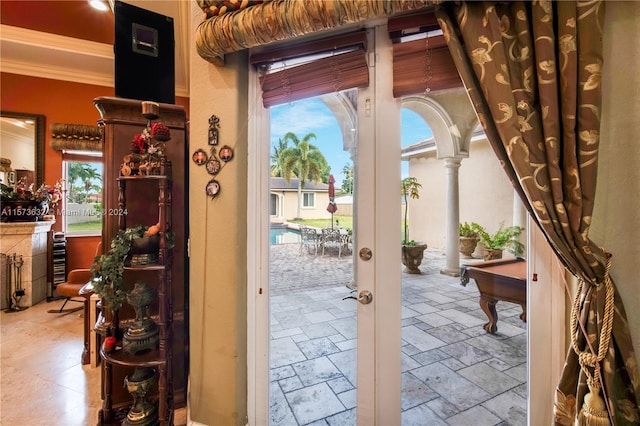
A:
<point x="159" y="198"/>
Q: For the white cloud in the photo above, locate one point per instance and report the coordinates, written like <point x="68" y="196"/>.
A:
<point x="300" y="118"/>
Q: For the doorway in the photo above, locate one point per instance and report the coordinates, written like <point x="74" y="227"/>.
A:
<point x="378" y="377"/>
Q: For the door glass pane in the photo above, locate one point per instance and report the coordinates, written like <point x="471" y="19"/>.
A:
<point x="454" y="371"/>
<point x="312" y="329"/>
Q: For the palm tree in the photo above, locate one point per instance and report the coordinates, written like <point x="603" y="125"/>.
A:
<point x="347" y="182"/>
<point x="303" y="160"/>
<point x="87" y="175"/>
<point x="276" y="158"/>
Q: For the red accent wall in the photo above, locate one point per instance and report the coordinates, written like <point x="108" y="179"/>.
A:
<point x="60" y="102"/>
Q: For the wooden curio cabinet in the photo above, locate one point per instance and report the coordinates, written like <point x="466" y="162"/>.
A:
<point x="144" y="382"/>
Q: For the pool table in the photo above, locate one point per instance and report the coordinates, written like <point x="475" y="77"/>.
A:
<point x="501" y="279"/>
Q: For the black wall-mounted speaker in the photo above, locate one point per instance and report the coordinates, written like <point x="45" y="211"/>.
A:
<point x="144" y="54"/>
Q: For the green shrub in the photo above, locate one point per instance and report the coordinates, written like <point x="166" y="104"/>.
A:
<point x="470" y="230"/>
<point x="503" y="239"/>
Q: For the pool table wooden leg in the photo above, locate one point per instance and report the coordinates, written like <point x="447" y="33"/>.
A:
<point x="488" y="305"/>
<point x="523" y="315"/>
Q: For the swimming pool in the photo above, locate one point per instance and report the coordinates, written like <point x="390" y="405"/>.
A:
<point x="283" y="236"/>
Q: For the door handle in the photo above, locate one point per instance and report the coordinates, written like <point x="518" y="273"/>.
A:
<point x="365" y="297"/>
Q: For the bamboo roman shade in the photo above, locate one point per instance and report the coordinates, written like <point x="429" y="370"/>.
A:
<point x="420" y="61"/>
<point x="315" y="68"/>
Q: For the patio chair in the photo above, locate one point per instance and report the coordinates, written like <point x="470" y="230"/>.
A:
<point x="310" y="239"/>
<point x="332" y="238"/>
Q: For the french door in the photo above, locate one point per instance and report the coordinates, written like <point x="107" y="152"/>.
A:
<point x="376" y="247"/>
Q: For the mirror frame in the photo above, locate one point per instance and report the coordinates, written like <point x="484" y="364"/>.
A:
<point x="39" y="127"/>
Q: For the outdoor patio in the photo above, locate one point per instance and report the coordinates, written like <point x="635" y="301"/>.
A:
<point x="453" y="372"/>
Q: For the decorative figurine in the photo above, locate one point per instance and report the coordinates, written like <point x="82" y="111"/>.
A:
<point x="144" y="332"/>
<point x="142" y="413"/>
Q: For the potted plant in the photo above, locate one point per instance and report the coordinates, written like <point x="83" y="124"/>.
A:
<point x="469" y="237"/>
<point x="25" y="203"/>
<point x="502" y="239"/>
<point x="412" y="251"/>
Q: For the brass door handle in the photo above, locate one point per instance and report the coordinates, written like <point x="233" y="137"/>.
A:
<point x="365" y="297"/>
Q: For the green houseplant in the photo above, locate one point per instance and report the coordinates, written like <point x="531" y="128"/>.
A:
<point x="108" y="268"/>
<point x="502" y="239"/>
<point x="469" y="237"/>
<point x="412" y="251"/>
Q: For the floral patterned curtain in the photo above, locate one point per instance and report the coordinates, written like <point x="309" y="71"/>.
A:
<point x="532" y="71"/>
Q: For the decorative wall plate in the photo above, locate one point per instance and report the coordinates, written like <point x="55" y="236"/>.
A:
<point x="199" y="157"/>
<point x="226" y="153"/>
<point x="213" y="188"/>
<point x="213" y="166"/>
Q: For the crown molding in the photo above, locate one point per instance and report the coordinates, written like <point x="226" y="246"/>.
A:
<point x="46" y="55"/>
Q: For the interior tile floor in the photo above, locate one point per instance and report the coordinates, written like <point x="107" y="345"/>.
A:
<point x="42" y="381"/>
<point x="453" y="372"/>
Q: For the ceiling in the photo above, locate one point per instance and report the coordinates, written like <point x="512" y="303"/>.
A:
<point x="78" y="44"/>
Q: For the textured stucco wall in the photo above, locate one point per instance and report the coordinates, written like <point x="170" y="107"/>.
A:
<point x="217" y="300"/>
<point x="486" y="195"/>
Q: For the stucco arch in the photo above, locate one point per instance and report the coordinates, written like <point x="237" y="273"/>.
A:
<point x="452" y="118"/>
<point x="343" y="107"/>
<point x="442" y="126"/>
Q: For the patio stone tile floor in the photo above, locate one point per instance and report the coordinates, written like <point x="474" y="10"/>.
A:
<point x="453" y="372"/>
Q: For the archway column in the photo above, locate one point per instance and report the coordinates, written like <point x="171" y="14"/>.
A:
<point x="452" y="221"/>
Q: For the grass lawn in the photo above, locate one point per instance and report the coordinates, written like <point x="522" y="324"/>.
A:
<point x="86" y="226"/>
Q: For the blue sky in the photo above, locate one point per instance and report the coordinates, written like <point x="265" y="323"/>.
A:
<point x="313" y="116"/>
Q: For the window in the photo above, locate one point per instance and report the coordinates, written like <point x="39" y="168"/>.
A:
<point x="308" y="199"/>
<point x="82" y="209"/>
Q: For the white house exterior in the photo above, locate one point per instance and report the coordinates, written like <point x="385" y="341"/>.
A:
<point x="283" y="200"/>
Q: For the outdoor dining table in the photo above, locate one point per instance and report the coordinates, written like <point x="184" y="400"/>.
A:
<point x="334" y="237"/>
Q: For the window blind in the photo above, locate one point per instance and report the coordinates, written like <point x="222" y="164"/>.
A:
<point x="421" y="60"/>
<point x="314" y="68"/>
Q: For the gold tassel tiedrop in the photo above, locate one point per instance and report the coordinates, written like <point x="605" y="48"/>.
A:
<point x="594" y="409"/>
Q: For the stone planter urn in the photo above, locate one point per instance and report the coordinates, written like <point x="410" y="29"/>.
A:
<point x="491" y="254"/>
<point x="412" y="257"/>
<point x="467" y="246"/>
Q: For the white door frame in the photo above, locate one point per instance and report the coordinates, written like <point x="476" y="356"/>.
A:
<point x="257" y="257"/>
<point x="379" y="324"/>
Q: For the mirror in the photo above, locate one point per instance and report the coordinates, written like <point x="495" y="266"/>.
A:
<point x="22" y="143"/>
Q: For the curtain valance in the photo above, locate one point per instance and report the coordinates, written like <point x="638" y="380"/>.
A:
<point x="279" y="20"/>
<point x="76" y="137"/>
